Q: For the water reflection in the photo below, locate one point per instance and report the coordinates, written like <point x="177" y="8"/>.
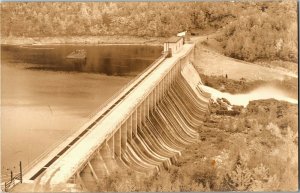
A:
<point x="110" y="59"/>
<point x="41" y="106"/>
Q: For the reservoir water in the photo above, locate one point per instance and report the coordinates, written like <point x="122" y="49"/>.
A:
<point x="45" y="98"/>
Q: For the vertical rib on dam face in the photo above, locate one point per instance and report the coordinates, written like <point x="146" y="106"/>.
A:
<point x="145" y="132"/>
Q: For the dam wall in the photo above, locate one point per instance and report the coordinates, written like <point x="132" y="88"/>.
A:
<point x="145" y="130"/>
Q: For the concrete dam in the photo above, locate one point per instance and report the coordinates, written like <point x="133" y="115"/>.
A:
<point x="144" y="129"/>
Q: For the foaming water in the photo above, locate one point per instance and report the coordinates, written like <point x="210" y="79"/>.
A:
<point x="266" y="92"/>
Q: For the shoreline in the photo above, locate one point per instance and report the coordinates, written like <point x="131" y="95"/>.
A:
<point x="83" y="40"/>
<point x="276" y="64"/>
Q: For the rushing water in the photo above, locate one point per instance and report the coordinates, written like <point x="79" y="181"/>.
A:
<point x="266" y="92"/>
<point x="46" y="97"/>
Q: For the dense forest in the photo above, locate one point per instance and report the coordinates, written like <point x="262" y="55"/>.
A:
<point x="251" y="30"/>
<point x="122" y="18"/>
<point x="269" y="32"/>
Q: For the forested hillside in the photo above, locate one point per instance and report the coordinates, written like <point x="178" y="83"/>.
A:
<point x="122" y="18"/>
<point x="251" y="30"/>
<point x="269" y="32"/>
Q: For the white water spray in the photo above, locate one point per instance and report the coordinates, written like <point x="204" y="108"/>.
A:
<point x="266" y="92"/>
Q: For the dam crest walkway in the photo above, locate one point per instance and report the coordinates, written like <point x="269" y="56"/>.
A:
<point x="143" y="129"/>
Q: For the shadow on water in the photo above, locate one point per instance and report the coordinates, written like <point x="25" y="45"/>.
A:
<point x="119" y="60"/>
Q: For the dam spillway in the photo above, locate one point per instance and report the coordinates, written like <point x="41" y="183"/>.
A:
<point x="144" y="129"/>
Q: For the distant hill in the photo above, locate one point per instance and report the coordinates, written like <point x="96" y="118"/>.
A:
<point x="154" y="19"/>
<point x="250" y="30"/>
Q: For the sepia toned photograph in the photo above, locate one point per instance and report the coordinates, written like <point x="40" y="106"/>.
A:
<point x="187" y="96"/>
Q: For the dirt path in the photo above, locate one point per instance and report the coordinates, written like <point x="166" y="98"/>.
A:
<point x="210" y="62"/>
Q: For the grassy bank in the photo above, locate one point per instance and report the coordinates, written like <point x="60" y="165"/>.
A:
<point x="210" y="61"/>
<point x="213" y="45"/>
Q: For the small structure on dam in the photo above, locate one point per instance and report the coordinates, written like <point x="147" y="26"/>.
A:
<point x="143" y="129"/>
<point x="174" y="44"/>
<point x="185" y="36"/>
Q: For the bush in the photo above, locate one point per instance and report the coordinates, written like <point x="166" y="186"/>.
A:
<point x="242" y="178"/>
<point x="270" y="34"/>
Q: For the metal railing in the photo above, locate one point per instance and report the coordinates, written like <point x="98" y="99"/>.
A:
<point x="29" y="166"/>
<point x="126" y="86"/>
<point x="47" y="151"/>
<point x="153" y="65"/>
<point x="14" y="180"/>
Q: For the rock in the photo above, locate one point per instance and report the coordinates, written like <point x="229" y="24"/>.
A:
<point x="237" y="108"/>
<point x="219" y="101"/>
<point x="223" y="106"/>
<point x="222" y="88"/>
<point x="247" y="123"/>
<point x="226" y="101"/>
<point x="234" y="113"/>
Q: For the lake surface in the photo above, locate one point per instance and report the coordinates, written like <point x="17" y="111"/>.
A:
<point x="109" y="59"/>
<point x="46" y="97"/>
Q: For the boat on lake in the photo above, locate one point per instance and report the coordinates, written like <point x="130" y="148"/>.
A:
<point x="77" y="59"/>
<point x="77" y="54"/>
